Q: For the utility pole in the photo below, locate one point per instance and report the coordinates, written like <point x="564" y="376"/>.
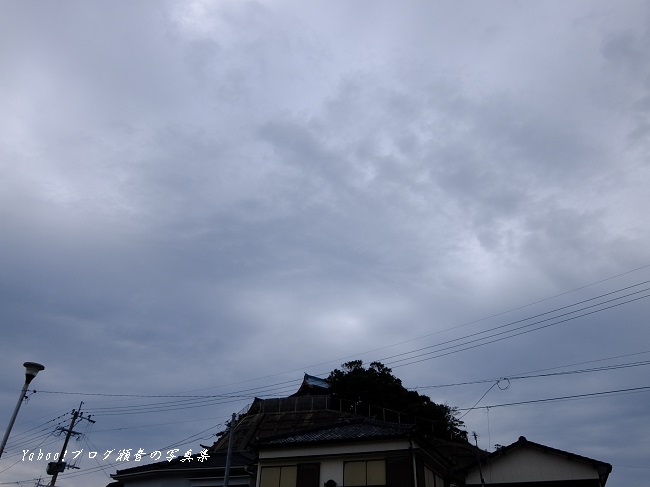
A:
<point x="231" y="431"/>
<point x="54" y="468"/>
<point x="478" y="456"/>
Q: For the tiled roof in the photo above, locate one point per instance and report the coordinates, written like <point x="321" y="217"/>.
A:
<point x="523" y="441"/>
<point x="312" y="385"/>
<point x="316" y="381"/>
<point x="264" y="425"/>
<point x="347" y="430"/>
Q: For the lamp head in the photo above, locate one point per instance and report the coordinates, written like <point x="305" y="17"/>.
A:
<point x="31" y="369"/>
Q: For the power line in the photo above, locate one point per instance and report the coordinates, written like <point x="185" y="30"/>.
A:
<point x="564" y="398"/>
<point x="534" y="316"/>
<point x="223" y="398"/>
<point x="191" y="402"/>
<point x="116" y="464"/>
<point x="159" y="407"/>
<point x="502" y="333"/>
<point x="528" y="319"/>
<point x="551" y="374"/>
<point x="154" y="409"/>
<point x="481" y="398"/>
<point x="153" y="425"/>
<point x="236" y="394"/>
<point x="534" y="401"/>
<point x="211" y="400"/>
<point x="468" y="323"/>
<point x="310" y="367"/>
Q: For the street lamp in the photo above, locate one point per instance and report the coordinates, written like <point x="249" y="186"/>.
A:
<point x="31" y="369"/>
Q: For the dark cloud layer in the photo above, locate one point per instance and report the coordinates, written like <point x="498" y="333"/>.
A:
<point x="212" y="198"/>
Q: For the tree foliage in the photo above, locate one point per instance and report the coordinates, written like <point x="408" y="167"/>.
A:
<point x="377" y="386"/>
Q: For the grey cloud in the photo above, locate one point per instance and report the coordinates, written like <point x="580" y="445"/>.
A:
<point x="622" y="49"/>
<point x="203" y="194"/>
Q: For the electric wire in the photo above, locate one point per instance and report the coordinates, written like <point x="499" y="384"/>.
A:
<point x="631" y="390"/>
<point x="386" y="359"/>
<point x="40" y="445"/>
<point x="600" y="394"/>
<point x="436" y="353"/>
<point x="179" y="443"/>
<point x="533" y="317"/>
<point x="461" y="325"/>
<point x="38" y="426"/>
<point x="310" y="367"/>
<point x="551" y="374"/>
<point x="430" y="355"/>
<point x="14" y="448"/>
<point x="155" y="425"/>
<point x="238" y="393"/>
<point x="480" y="399"/>
<point x="621" y="391"/>
<point x="99" y="465"/>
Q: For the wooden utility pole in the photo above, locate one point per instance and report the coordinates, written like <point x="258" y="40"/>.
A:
<point x="54" y="468"/>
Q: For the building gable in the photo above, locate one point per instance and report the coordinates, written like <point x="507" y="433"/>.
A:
<point x="528" y="463"/>
<point x="532" y="465"/>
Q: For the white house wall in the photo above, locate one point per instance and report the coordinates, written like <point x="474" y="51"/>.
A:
<point x="532" y="465"/>
<point x="331" y="458"/>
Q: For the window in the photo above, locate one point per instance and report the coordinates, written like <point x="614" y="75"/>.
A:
<point x="370" y="472"/>
<point x="278" y="476"/>
<point x="431" y="479"/>
<point x="303" y="475"/>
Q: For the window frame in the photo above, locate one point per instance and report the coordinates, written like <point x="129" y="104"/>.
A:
<point x="347" y="482"/>
<point x="296" y="474"/>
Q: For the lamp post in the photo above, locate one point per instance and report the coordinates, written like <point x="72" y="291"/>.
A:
<point x="31" y="369"/>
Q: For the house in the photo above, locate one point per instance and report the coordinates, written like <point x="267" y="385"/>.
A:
<point x="311" y="439"/>
<point x="528" y="464"/>
<point x="352" y="452"/>
<point x="309" y="407"/>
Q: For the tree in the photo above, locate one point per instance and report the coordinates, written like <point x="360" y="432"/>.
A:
<point x="377" y="386"/>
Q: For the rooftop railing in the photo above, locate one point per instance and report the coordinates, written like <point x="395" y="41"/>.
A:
<point x="329" y="403"/>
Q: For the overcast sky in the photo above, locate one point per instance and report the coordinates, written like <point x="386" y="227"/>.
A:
<point x="212" y="198"/>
